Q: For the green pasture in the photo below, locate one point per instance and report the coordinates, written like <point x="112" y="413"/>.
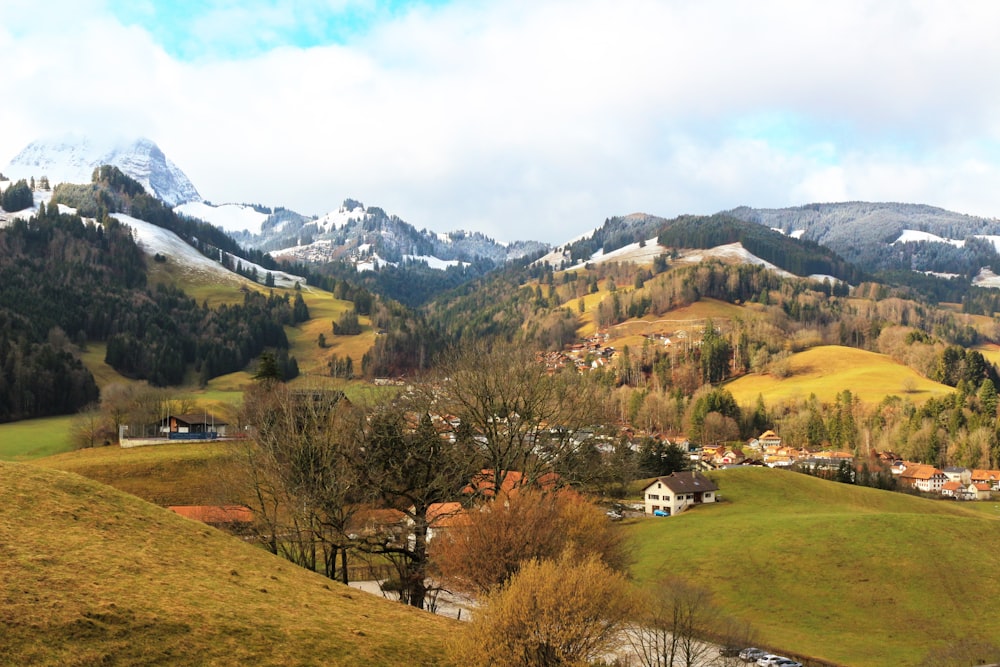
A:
<point x="852" y="575"/>
<point x="35" y="438"/>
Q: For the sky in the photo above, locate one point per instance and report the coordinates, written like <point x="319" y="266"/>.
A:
<point x="533" y="119"/>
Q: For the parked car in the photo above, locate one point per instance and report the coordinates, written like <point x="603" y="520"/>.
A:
<point x="770" y="660"/>
<point x="751" y="654"/>
<point x="729" y="651"/>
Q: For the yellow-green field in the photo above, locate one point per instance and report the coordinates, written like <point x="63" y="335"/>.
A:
<point x="992" y="352"/>
<point x="323" y="310"/>
<point x="852" y="575"/>
<point x="830" y="369"/>
<point x="94" y="576"/>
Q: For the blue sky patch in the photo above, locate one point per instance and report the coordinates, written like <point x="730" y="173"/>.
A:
<point x="192" y="30"/>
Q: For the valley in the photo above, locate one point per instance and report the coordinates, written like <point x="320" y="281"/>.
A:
<point x="370" y="391"/>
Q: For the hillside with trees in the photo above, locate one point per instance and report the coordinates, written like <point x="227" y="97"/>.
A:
<point x="864" y="233"/>
<point x="65" y="282"/>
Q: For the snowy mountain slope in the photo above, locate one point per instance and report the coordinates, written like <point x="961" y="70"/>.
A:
<point x="72" y="159"/>
<point x="157" y="240"/>
<point x="231" y="217"/>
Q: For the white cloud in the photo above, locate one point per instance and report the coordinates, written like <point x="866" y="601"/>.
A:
<point x="540" y="119"/>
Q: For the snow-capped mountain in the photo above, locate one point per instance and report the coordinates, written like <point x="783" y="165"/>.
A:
<point x="73" y="159"/>
<point x="369" y="235"/>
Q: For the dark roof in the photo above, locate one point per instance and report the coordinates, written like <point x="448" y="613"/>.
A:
<point x="688" y="482"/>
<point x="199" y="418"/>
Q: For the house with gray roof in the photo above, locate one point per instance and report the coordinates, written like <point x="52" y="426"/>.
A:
<point x="678" y="491"/>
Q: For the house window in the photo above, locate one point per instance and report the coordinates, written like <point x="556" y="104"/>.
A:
<point x="653" y="496"/>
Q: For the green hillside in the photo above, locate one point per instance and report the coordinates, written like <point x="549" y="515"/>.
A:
<point x="848" y="574"/>
<point x="94" y="576"/>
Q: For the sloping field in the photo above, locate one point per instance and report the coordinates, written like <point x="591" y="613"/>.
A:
<point x="830" y="369"/>
<point x="94" y="576"/>
<point x="852" y="575"/>
<point x="186" y="473"/>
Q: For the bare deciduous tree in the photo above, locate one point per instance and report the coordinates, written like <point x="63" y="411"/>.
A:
<point x="674" y="618"/>
<point x="299" y="467"/>
<point x="514" y="415"/>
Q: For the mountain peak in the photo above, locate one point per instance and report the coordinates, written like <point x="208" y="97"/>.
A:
<point x="72" y="159"/>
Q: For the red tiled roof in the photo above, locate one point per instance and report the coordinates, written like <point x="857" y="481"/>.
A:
<point x="445" y="515"/>
<point x="482" y="482"/>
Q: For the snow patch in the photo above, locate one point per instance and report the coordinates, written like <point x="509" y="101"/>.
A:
<point x="986" y="278"/>
<point x="914" y="236"/>
<point x="231" y="217"/>
<point x="734" y="252"/>
<point x="434" y="262"/>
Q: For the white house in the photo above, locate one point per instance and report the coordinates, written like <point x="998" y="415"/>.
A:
<point x="678" y="491"/>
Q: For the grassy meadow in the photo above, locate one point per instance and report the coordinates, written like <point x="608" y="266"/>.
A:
<point x="847" y="574"/>
<point x="35" y="438"/>
<point x="94" y="576"/>
<point x="830" y="369"/>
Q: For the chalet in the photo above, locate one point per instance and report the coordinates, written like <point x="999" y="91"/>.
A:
<point x="202" y="426"/>
<point x="676" y="492"/>
<point x="990" y="477"/>
<point x="980" y="491"/>
<point x="727" y="456"/>
<point x="952" y="489"/>
<point x="769" y="439"/>
<point x="443" y="516"/>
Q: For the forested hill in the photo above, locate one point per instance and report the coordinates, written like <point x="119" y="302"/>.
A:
<point x="64" y="282"/>
<point x="800" y="257"/>
<point x="111" y="191"/>
<point x="868" y="234"/>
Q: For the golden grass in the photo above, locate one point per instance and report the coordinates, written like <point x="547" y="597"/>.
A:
<point x="991" y="351"/>
<point x="94" y="576"/>
<point x="830" y="369"/>
<point x="183" y="473"/>
<point x="851" y="575"/>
